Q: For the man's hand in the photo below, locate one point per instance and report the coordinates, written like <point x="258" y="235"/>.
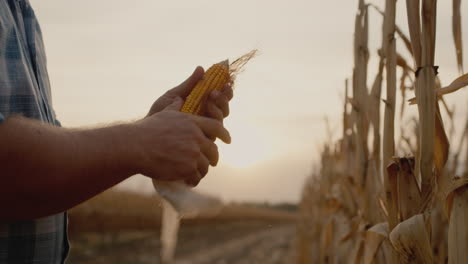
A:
<point x="177" y="146"/>
<point x="217" y="105"/>
<point x="72" y="165"/>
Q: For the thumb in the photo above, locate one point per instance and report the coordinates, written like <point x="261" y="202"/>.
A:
<point x="176" y="105"/>
<point x="184" y="89"/>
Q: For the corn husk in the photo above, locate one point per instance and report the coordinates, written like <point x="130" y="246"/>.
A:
<point x="411" y="239"/>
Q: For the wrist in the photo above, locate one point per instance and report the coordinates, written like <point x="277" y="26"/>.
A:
<point x="133" y="154"/>
<point x="127" y="152"/>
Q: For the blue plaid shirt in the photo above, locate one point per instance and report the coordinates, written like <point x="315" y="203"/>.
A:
<point x="25" y="90"/>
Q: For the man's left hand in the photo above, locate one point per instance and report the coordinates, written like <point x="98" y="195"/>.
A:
<point x="217" y="105"/>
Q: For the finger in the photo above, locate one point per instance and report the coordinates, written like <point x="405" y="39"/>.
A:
<point x="193" y="181"/>
<point x="212" y="128"/>
<point x="203" y="166"/>
<point x="210" y="151"/>
<point x="175" y="105"/>
<point x="184" y="89"/>
<point x="213" y="111"/>
<point x="228" y="91"/>
<point x="223" y="103"/>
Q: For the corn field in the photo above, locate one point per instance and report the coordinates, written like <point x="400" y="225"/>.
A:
<point x="366" y="203"/>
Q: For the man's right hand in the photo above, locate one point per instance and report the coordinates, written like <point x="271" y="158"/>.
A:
<point x="176" y="146"/>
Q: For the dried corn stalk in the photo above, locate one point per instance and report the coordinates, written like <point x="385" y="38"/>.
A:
<point x="457" y="33"/>
<point x="374" y="112"/>
<point x="422" y="32"/>
<point x="341" y="198"/>
<point x="389" y="51"/>
<point x="360" y="93"/>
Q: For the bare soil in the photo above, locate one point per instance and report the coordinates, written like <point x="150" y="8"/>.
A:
<point x="237" y="242"/>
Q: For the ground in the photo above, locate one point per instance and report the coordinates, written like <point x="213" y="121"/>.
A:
<point x="236" y="242"/>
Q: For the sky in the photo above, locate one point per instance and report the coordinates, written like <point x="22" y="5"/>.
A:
<point x="108" y="60"/>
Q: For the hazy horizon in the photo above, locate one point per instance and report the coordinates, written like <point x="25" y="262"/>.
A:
<point x="108" y="61"/>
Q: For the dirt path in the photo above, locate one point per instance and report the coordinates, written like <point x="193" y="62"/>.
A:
<point x="267" y="246"/>
<point x="236" y="243"/>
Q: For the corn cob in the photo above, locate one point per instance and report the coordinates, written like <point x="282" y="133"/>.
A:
<point x="214" y="79"/>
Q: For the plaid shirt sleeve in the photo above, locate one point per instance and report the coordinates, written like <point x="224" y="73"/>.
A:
<point x="25" y="90"/>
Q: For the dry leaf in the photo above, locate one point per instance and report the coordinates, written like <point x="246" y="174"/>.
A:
<point x="411" y="240"/>
<point x="441" y="147"/>
<point x="374" y="238"/>
<point x="409" y="194"/>
<point x="392" y="197"/>
<point x="458" y="228"/>
<point x="456" y="85"/>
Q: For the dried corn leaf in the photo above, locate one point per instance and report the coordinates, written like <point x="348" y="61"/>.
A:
<point x="439" y="223"/>
<point x="409" y="194"/>
<point x="356" y="254"/>
<point x="380" y="228"/>
<point x="441" y="146"/>
<point x="456" y="85"/>
<point x="402" y="62"/>
<point x="458" y="228"/>
<point x="374" y="238"/>
<point x="326" y="240"/>
<point x="449" y="191"/>
<point x="411" y="240"/>
<point x="392" y="194"/>
<point x="405" y="39"/>
<point x="383" y="207"/>
<point x="403" y="88"/>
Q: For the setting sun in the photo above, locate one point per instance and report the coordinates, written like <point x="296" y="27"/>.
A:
<point x="248" y="146"/>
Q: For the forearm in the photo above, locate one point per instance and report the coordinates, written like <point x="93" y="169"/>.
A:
<point x="46" y="169"/>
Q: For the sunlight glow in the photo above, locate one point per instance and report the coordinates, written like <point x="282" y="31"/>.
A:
<point x="248" y="146"/>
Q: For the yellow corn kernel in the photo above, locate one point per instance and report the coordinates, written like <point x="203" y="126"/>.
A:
<point x="215" y="78"/>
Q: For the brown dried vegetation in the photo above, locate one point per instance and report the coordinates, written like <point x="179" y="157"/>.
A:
<point x="366" y="205"/>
